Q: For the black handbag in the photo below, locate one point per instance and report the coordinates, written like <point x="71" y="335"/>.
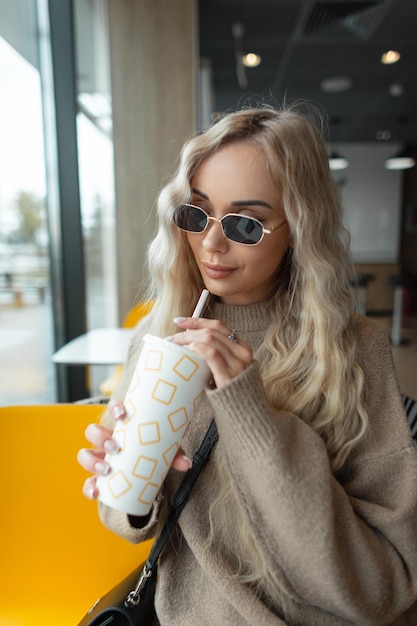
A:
<point x="131" y="601"/>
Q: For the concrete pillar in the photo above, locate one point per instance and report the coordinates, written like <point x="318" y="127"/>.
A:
<point x="153" y="56"/>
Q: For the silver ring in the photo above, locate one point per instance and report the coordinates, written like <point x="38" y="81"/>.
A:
<point x="232" y="336"/>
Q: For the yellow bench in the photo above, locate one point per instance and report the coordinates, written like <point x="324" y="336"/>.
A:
<point x="56" y="557"/>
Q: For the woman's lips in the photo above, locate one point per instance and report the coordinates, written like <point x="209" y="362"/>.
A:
<point x="217" y="271"/>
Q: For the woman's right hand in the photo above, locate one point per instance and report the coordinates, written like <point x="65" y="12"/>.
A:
<point x="92" y="459"/>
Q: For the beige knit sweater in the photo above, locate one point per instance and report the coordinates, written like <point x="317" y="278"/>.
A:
<point x="345" y="552"/>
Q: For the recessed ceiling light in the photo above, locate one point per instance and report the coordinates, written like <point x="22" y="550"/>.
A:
<point x="336" y="84"/>
<point x="383" y="135"/>
<point x="396" y="90"/>
<point x="390" y="56"/>
<point x="251" y="60"/>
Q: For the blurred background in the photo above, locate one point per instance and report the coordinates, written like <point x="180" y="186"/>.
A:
<point x="96" y="99"/>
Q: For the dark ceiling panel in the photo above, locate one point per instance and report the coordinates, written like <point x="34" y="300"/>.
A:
<point x="303" y="42"/>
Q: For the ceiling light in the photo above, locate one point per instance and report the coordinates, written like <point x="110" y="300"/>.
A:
<point x="251" y="59"/>
<point x="390" y="57"/>
<point x="383" y="135"/>
<point x="400" y="161"/>
<point x="396" y="90"/>
<point x="338" y="162"/>
<point x="336" y="84"/>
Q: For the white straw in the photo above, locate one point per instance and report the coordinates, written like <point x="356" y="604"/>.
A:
<point x="201" y="302"/>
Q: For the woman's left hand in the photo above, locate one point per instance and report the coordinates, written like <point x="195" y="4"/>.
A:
<point x="224" y="352"/>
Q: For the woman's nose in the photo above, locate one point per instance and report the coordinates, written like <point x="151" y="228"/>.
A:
<point x="214" y="238"/>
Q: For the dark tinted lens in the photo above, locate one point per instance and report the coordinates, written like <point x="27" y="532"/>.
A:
<point x="242" y="229"/>
<point x="190" y="218"/>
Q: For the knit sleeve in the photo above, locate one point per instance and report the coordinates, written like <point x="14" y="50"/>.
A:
<point x="348" y="549"/>
<point x="119" y="523"/>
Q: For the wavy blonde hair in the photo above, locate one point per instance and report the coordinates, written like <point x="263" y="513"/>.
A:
<point x="308" y="358"/>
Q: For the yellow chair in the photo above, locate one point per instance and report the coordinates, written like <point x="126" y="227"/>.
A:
<point x="136" y="313"/>
<point x="132" y="318"/>
<point x="56" y="556"/>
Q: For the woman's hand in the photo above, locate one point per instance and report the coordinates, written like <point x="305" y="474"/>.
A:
<point x="224" y="352"/>
<point x="92" y="459"/>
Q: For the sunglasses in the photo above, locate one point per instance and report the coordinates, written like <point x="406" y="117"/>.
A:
<point x="237" y="228"/>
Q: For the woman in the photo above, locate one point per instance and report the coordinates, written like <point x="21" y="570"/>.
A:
<point x="307" y="511"/>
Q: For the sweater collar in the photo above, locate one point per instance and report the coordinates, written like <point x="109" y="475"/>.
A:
<point x="244" y="318"/>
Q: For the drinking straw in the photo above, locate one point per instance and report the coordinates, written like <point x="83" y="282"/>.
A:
<point x="200" y="304"/>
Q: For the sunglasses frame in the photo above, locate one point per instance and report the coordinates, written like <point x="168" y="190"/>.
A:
<point x="265" y="231"/>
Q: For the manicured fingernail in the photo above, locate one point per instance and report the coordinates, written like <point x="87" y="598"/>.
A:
<point x="102" y="468"/>
<point x="180" y="320"/>
<point x="187" y="460"/>
<point x="117" y="412"/>
<point x="110" y="445"/>
<point x="90" y="493"/>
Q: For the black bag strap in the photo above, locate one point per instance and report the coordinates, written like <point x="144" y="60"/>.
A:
<point x="181" y="496"/>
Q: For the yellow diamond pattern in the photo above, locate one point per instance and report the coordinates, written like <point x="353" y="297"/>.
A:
<point x="120" y="436"/>
<point x="154" y="360"/>
<point x="148" y="494"/>
<point x="119" y="484"/>
<point x="130" y="411"/>
<point x="169" y="454"/>
<point x="197" y="400"/>
<point x="186" y="367"/>
<point x="164" y="392"/>
<point x="144" y="467"/>
<point x="178" y="419"/>
<point x="149" y="433"/>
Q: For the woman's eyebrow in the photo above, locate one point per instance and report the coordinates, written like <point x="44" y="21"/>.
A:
<point x="200" y="193"/>
<point x="237" y="202"/>
<point x="252" y="203"/>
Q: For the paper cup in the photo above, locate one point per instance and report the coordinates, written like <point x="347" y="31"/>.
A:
<point x="166" y="389"/>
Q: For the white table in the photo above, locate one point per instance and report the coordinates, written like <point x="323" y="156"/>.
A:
<point x="102" y="346"/>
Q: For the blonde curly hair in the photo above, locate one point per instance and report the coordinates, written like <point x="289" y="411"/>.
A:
<point x="308" y="356"/>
